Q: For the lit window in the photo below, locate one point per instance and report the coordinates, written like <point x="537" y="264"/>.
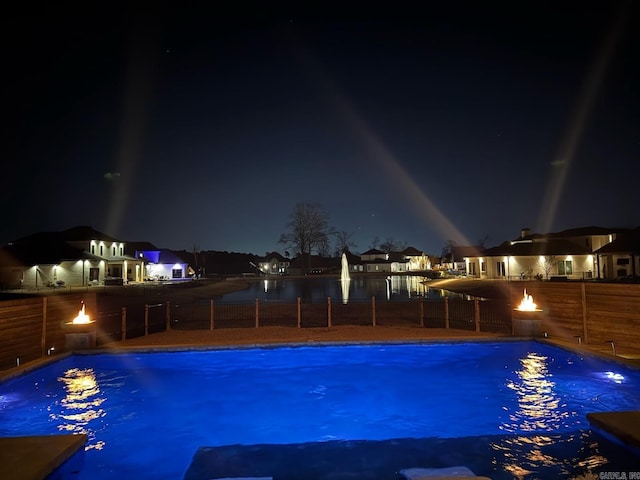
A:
<point x="565" y="267"/>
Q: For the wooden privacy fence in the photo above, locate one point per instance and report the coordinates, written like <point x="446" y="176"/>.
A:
<point x="32" y="328"/>
<point x="591" y="313"/>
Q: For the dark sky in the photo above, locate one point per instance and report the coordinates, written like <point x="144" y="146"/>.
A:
<point x="205" y="127"/>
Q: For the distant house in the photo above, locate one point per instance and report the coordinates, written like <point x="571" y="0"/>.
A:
<point x="374" y="261"/>
<point x="274" y="264"/>
<point x="79" y="256"/>
<point x="416" y="260"/>
<point x="313" y="264"/>
<point x="408" y="260"/>
<point x="569" y="254"/>
<point x="161" y="263"/>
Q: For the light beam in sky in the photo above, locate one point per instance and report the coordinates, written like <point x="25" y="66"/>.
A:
<point x="582" y="109"/>
<point x="383" y="157"/>
<point x="141" y="74"/>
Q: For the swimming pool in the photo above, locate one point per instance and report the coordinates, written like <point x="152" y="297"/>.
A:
<point x="147" y="414"/>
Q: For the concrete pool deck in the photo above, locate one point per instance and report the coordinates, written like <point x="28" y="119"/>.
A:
<point x="35" y="458"/>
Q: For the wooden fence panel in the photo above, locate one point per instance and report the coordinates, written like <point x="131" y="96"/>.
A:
<point x="596" y="312"/>
<point x="31" y="327"/>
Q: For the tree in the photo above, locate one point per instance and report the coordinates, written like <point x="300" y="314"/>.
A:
<point x="547" y="263"/>
<point x="308" y="230"/>
<point x="391" y="245"/>
<point x="447" y="250"/>
<point x="343" y="242"/>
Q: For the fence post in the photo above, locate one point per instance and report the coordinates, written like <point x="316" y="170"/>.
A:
<point x="476" y="313"/>
<point x="146" y="320"/>
<point x="44" y="326"/>
<point x="123" y="325"/>
<point x="168" y="315"/>
<point x="211" y="314"/>
<point x="299" y="316"/>
<point x="585" y="330"/>
<point x="328" y="312"/>
<point x="422" y="312"/>
<point x="446" y="312"/>
<point x="257" y="314"/>
<point x="373" y="311"/>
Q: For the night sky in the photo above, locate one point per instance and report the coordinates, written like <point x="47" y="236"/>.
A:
<point x="204" y="128"/>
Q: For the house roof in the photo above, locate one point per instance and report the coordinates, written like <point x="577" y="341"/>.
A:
<point x="50" y="248"/>
<point x="460" y="251"/>
<point x="270" y="256"/>
<point x="47" y="253"/>
<point x="558" y="246"/>
<point x="132" y="247"/>
<point x="373" y="251"/>
<point x="412" y="252"/>
<point x="575" y="232"/>
<point x="627" y="243"/>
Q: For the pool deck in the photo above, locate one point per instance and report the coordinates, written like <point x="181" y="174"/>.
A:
<point x="35" y="458"/>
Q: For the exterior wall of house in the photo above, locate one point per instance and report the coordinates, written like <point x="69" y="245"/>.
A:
<point x="618" y="266"/>
<point x="105" y="249"/>
<point x="163" y="271"/>
<point x="418" y="263"/>
<point x="72" y="273"/>
<point x="398" y="267"/>
<point x="378" y="267"/>
<point x="526" y="268"/>
<point x="473" y="268"/>
<point x="274" y="267"/>
<point x="373" y="257"/>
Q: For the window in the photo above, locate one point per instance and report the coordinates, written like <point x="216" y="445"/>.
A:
<point x="101" y="250"/>
<point x="113" y="251"/>
<point x="93" y="249"/>
<point x="176" y="273"/>
<point x="565" y="267"/>
<point x="483" y="267"/>
<point x="500" y="268"/>
<point x="622" y="261"/>
<point x="94" y="274"/>
<point x="120" y="251"/>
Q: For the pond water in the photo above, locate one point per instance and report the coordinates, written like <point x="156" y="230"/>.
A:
<point x="358" y="289"/>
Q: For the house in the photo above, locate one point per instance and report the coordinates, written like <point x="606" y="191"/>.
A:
<point x="455" y="262"/>
<point x="160" y="263"/>
<point x="408" y="260"/>
<point x="315" y="264"/>
<point x="274" y="264"/>
<point x="375" y="261"/>
<point x="79" y="256"/>
<point x="620" y="259"/>
<point x="417" y="261"/>
<point x="569" y="254"/>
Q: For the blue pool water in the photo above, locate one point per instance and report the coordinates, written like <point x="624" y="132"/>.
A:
<point x="146" y="414"/>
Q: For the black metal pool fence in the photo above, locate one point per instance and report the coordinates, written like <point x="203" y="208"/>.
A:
<point x="477" y="315"/>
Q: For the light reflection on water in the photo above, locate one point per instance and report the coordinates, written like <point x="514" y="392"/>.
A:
<point x="540" y="409"/>
<point x="359" y="288"/>
<point x="80" y="409"/>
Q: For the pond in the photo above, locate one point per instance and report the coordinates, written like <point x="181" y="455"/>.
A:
<point x="319" y="288"/>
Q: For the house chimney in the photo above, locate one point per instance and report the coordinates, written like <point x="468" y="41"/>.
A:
<point x="525" y="232"/>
